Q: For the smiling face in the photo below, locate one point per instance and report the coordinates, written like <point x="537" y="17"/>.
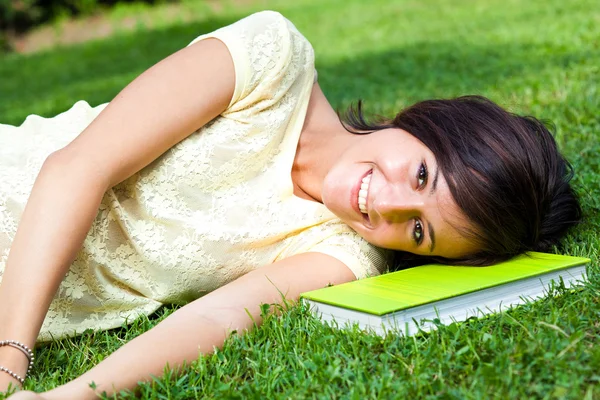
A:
<point x="388" y="188"/>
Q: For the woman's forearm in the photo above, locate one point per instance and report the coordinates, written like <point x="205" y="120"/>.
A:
<point x="180" y="338"/>
<point x="58" y="215"/>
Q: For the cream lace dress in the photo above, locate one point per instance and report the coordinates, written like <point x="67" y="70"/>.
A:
<point x="210" y="209"/>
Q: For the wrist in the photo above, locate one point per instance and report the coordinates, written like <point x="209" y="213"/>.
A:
<point x="15" y="361"/>
<point x="13" y="358"/>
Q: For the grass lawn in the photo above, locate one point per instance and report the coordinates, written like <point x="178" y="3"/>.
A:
<point x="539" y="58"/>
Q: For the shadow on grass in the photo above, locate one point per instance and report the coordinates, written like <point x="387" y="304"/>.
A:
<point x="412" y="73"/>
<point x="49" y="83"/>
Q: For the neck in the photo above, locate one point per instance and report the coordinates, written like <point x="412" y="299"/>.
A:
<point x="322" y="141"/>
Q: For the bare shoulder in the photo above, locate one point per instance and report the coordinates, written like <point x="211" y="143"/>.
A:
<point x="304" y="272"/>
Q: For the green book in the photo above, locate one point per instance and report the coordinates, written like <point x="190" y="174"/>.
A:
<point x="418" y="298"/>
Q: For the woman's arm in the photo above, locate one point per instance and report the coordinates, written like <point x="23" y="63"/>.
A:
<point x="205" y="323"/>
<point x="158" y="109"/>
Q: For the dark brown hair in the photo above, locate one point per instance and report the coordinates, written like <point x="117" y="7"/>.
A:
<point x="503" y="170"/>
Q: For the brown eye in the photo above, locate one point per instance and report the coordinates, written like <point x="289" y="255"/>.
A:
<point x="422" y="175"/>
<point x="418" y="232"/>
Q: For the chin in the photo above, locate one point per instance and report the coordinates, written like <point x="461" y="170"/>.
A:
<point x="331" y="201"/>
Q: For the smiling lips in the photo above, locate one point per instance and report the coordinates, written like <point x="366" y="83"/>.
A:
<point x="363" y="193"/>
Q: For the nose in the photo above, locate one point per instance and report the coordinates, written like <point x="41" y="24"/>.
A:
<point x="395" y="204"/>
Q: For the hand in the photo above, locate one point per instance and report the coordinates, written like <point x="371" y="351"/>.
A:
<point x="26" y="395"/>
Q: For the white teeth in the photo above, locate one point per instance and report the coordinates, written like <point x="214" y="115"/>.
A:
<point x="362" y="194"/>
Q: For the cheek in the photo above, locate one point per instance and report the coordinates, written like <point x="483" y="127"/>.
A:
<point x="392" y="237"/>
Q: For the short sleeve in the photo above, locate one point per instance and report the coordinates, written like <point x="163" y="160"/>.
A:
<point x="269" y="56"/>
<point x="339" y="241"/>
<point x="363" y="259"/>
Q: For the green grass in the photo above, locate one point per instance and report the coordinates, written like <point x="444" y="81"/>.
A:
<point x="539" y="58"/>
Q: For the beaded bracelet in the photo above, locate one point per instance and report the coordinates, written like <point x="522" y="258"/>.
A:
<point x="17" y="377"/>
<point x="25" y="350"/>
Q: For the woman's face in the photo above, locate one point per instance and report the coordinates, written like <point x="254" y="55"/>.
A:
<point x="404" y="203"/>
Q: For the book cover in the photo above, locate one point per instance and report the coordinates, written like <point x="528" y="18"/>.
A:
<point x="431" y="283"/>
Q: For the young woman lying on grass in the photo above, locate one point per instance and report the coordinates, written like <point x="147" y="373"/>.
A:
<point x="221" y="178"/>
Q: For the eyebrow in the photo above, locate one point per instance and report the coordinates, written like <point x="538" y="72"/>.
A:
<point x="429" y="226"/>
<point x="435" y="181"/>
<point x="431" y="237"/>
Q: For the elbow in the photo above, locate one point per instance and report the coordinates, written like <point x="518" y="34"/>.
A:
<point x="54" y="162"/>
<point x="67" y="167"/>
